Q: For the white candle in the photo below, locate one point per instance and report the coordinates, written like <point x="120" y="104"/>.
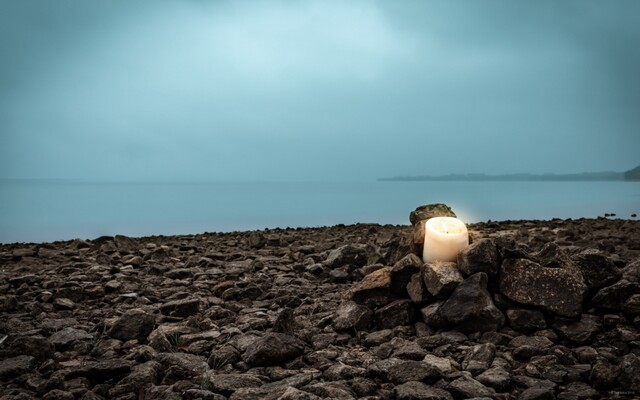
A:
<point x="444" y="237"/>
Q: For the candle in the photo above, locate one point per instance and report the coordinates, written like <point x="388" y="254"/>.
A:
<point x="444" y="237"/>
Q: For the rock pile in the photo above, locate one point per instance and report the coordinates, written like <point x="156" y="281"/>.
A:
<point x="531" y="310"/>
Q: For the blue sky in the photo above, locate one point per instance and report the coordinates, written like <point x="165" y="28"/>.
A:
<point x="316" y="90"/>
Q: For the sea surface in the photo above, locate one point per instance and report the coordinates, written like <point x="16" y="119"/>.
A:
<point x="47" y="211"/>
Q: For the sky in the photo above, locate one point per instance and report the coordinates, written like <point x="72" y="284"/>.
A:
<point x="316" y="90"/>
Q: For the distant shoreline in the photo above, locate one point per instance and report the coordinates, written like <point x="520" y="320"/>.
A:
<point x="608" y="176"/>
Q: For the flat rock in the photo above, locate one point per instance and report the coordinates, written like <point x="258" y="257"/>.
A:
<point x="16" y="366"/>
<point x="410" y="370"/>
<point x="65" y="337"/>
<point x="526" y="320"/>
<point x="346" y="255"/>
<point x="229" y="383"/>
<point x="374" y="289"/>
<point x="133" y="324"/>
<point x="352" y="316"/>
<point x="470" y="306"/>
<point x="466" y="387"/>
<point x="414" y="390"/>
<point x="555" y="289"/>
<point x="273" y="349"/>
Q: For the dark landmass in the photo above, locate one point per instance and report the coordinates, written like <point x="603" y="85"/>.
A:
<point x="340" y="312"/>
<point x="631" y="175"/>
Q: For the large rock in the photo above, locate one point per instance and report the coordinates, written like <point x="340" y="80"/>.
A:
<point x="133" y="324"/>
<point x="480" y="256"/>
<point x="615" y="296"/>
<point x="346" y="255"/>
<point x="402" y="272"/>
<point x="413" y="371"/>
<point x="181" y="308"/>
<point x="466" y="387"/>
<point x="352" y="316"/>
<point x="374" y="289"/>
<point x="559" y="290"/>
<point x="526" y="320"/>
<point x="16" y="366"/>
<point x="441" y="278"/>
<point x="418" y="218"/>
<point x="470" y="306"/>
<point x="229" y="383"/>
<point x="399" y="312"/>
<point x="598" y="269"/>
<point x="273" y="349"/>
<point x="578" y="331"/>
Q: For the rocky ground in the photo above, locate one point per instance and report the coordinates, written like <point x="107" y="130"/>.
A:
<point x="538" y="310"/>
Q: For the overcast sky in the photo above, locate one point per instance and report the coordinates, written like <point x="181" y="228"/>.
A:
<point x="316" y="90"/>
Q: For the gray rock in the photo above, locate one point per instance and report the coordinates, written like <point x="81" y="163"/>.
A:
<point x="229" y="383"/>
<point x="256" y="240"/>
<point x="631" y="271"/>
<point x="346" y="255"/>
<point x="604" y="374"/>
<point x="555" y="289"/>
<point x="497" y="378"/>
<point x="480" y="256"/>
<point x="184" y="364"/>
<point x="352" y="316"/>
<point x="374" y="289"/>
<point x="598" y="269"/>
<point x="16" y="366"/>
<point x="417" y="290"/>
<point x="537" y="393"/>
<point x="526" y="320"/>
<point x="577" y="390"/>
<point x="36" y="346"/>
<point x="402" y="272"/>
<point x="65" y="337"/>
<point x="133" y="324"/>
<point x="181" y="308"/>
<point x="413" y="390"/>
<point x="399" y="312"/>
<point x="466" y="387"/>
<point x="479" y="358"/>
<point x="406" y="371"/>
<point x="615" y="296"/>
<point x="57" y="394"/>
<point x="292" y="393"/>
<point x="630" y="372"/>
<point x="273" y="349"/>
<point x="431" y="315"/>
<point x="470" y="306"/>
<point x="578" y="331"/>
<point x="331" y="390"/>
<point x="441" y="278"/>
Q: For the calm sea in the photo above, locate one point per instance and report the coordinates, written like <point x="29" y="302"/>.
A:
<point x="47" y="211"/>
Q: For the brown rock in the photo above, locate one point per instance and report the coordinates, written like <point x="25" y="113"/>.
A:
<point x="374" y="289"/>
<point x="402" y="272"/>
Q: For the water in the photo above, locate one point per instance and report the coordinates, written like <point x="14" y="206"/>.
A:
<point x="48" y="211"/>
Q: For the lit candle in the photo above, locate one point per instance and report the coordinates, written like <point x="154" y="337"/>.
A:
<point x="444" y="238"/>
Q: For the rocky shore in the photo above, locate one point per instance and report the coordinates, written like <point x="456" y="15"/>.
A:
<point x="535" y="310"/>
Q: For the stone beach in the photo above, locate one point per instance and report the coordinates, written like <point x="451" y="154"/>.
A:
<point x="531" y="310"/>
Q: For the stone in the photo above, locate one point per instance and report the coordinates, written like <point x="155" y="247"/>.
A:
<point x="526" y="320"/>
<point x="480" y="256"/>
<point x="631" y="272"/>
<point x="441" y="278"/>
<point x="406" y="371"/>
<point x="61" y="303"/>
<point x="399" y="312"/>
<point x="256" y="240"/>
<point x="629" y="377"/>
<point x="183" y="365"/>
<point x="555" y="289"/>
<point x="577" y="390"/>
<point x="16" y="366"/>
<point x="632" y="305"/>
<point x="414" y="390"/>
<point x="180" y="308"/>
<point x="57" y="394"/>
<point x="36" y="346"/>
<point x="179" y="273"/>
<point x="417" y="290"/>
<point x="101" y="371"/>
<point x="292" y="393"/>
<point x="133" y="324"/>
<point x="442" y="364"/>
<point x="497" y="378"/>
<point x="352" y="316"/>
<point x="604" y="374"/>
<point x="346" y="255"/>
<point x="331" y="390"/>
<point x="470" y="307"/>
<point x="285" y="323"/>
<point x="374" y="289"/>
<point x="466" y="387"/>
<point x="479" y="358"/>
<point x="229" y="383"/>
<point x="402" y="272"/>
<point x="579" y="331"/>
<point x="537" y="393"/>
<point x="273" y="349"/>
<point x="65" y="337"/>
<point x="598" y="269"/>
<point x="615" y="296"/>
<point x="431" y="315"/>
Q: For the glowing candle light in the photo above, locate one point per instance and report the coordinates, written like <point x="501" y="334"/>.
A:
<point x="444" y="238"/>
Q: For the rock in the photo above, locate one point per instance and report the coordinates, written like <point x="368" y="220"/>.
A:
<point x="413" y="390"/>
<point x="133" y="324"/>
<point x="577" y="390"/>
<point x="179" y="273"/>
<point x="256" y="240"/>
<point x="444" y="365"/>
<point x="466" y="387"/>
<point x="182" y="365"/>
<point x="526" y="320"/>
<point x="631" y="271"/>
<point x="352" y="316"/>
<point x="402" y="272"/>
<point x="615" y="296"/>
<point x="273" y="349"/>
<point x="36" y="346"/>
<point x="65" y="337"/>
<point x="346" y="255"/>
<point x="292" y="393"/>
<point x="552" y="256"/>
<point x="180" y="308"/>
<point x="331" y="390"/>
<point x="630" y="372"/>
<point x="101" y="371"/>
<point x="578" y="331"/>
<point x="57" y="394"/>
<point x="441" y="278"/>
<point x="479" y="358"/>
<point x="431" y="315"/>
<point x="555" y="289"/>
<point x="497" y="378"/>
<point x="540" y="342"/>
<point x="480" y="256"/>
<point x="16" y="366"/>
<point x="399" y="312"/>
<point x="419" y="216"/>
<point x="285" y="323"/>
<point x="406" y="371"/>
<point x="632" y="305"/>
<point x="374" y="289"/>
<point x="62" y="303"/>
<point x="470" y="306"/>
<point x="597" y="269"/>
<point x="417" y="290"/>
<point x="229" y="383"/>
<point x="604" y="374"/>
<point x="537" y="393"/>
